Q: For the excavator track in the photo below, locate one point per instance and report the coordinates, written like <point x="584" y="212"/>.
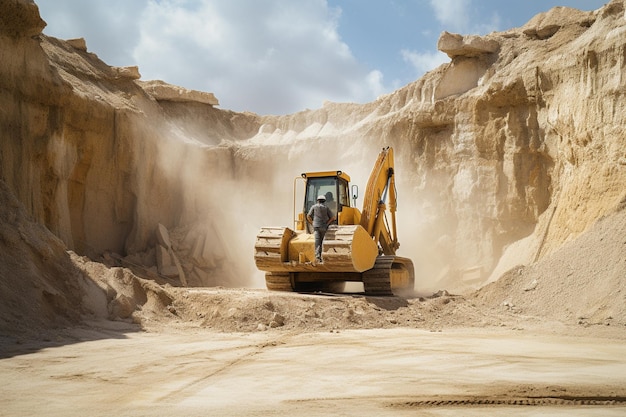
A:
<point x="391" y="275"/>
<point x="279" y="281"/>
<point x="377" y="281"/>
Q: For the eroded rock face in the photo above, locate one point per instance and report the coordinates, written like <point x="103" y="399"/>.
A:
<point x="34" y="266"/>
<point x="501" y="144"/>
<point x="92" y="155"/>
<point x="545" y="25"/>
<point x="518" y="139"/>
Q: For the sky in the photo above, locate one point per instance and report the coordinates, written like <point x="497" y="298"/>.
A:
<point x="283" y="56"/>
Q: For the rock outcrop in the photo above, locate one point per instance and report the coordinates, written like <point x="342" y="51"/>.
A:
<point x="455" y="45"/>
<point x="504" y="154"/>
<point x="162" y="91"/>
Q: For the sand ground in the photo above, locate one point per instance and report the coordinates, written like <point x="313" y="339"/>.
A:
<point x="111" y="368"/>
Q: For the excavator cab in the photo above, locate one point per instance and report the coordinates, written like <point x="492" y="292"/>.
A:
<point x="334" y="186"/>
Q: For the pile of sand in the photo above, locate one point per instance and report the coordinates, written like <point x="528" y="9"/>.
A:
<point x="43" y="286"/>
<point x="39" y="285"/>
<point x="583" y="282"/>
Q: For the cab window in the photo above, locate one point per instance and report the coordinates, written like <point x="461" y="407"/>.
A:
<point x="344" y="196"/>
<point x="326" y="186"/>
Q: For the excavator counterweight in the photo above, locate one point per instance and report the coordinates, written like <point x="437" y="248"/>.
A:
<point x="360" y="246"/>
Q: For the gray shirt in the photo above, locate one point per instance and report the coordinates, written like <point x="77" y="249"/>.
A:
<point x="320" y="214"/>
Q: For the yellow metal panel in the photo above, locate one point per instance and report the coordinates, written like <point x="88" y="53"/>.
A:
<point x="327" y="174"/>
<point x="302" y="245"/>
<point x="364" y="250"/>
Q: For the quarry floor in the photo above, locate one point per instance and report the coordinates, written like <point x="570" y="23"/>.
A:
<point x="110" y="368"/>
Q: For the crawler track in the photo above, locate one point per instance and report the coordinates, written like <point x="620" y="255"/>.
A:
<point x="279" y="281"/>
<point x="390" y="275"/>
<point x="377" y="281"/>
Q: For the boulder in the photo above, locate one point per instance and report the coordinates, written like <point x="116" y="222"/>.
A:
<point x="78" y="43"/>
<point x="545" y="25"/>
<point x="131" y="73"/>
<point x="469" y="46"/>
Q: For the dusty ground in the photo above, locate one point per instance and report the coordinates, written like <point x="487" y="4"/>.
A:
<point x="194" y="371"/>
<point x="308" y="355"/>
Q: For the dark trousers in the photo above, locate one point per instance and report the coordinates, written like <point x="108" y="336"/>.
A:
<point x="319" y="234"/>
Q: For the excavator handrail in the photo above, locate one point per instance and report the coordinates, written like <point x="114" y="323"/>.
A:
<point x="298" y="223"/>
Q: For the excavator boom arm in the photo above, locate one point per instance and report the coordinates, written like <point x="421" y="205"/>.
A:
<point x="380" y="187"/>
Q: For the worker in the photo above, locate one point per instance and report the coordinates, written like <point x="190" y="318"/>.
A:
<point x="320" y="216"/>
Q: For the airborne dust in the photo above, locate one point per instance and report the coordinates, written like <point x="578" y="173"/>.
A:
<point x="240" y="186"/>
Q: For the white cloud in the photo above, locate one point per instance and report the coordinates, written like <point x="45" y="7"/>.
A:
<point x="266" y="56"/>
<point x="375" y="82"/>
<point x="424" y="61"/>
<point x="462" y="17"/>
<point x="109" y="27"/>
<point x="269" y="57"/>
<point x="453" y="14"/>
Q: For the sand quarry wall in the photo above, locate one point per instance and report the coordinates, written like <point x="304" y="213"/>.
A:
<point x="504" y="154"/>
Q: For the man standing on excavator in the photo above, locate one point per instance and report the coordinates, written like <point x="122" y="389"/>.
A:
<point x="320" y="216"/>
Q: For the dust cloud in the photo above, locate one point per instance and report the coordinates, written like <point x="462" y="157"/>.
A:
<point x="266" y="190"/>
<point x="238" y="187"/>
<point x="235" y="188"/>
<point x="424" y="232"/>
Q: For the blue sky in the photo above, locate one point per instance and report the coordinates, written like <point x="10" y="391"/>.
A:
<point x="279" y="56"/>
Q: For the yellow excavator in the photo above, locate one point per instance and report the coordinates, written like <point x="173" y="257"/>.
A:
<point x="361" y="245"/>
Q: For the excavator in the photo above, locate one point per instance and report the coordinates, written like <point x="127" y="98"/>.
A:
<point x="360" y="247"/>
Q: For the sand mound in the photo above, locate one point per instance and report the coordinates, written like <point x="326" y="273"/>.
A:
<point x="117" y="294"/>
<point x="39" y="286"/>
<point x="583" y="282"/>
<point x="43" y="286"/>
